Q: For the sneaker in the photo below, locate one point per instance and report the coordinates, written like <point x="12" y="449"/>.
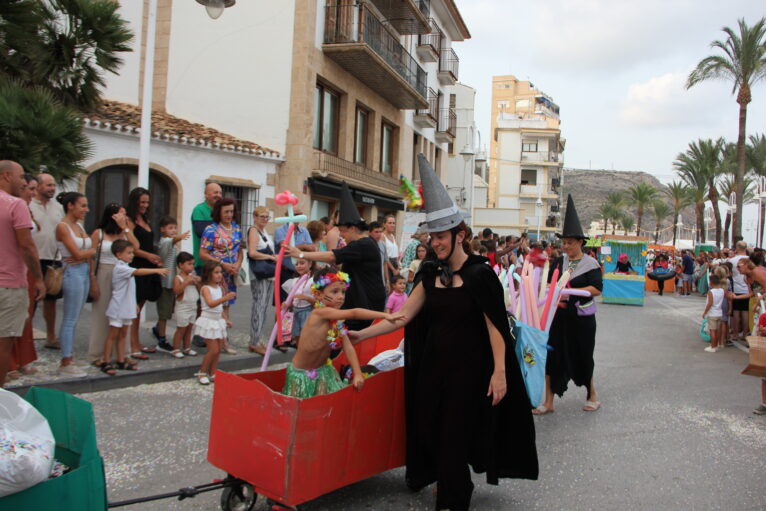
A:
<point x="156" y="334"/>
<point x="761" y="410"/>
<point x="72" y="370"/>
<point x="164" y="346"/>
<point x="711" y="349"/>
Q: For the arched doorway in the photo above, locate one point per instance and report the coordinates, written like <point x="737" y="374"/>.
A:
<point x="113" y="184"/>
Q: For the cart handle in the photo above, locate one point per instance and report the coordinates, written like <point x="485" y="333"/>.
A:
<point x="182" y="493"/>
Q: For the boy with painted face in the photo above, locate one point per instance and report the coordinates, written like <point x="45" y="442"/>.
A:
<point x="311" y="373"/>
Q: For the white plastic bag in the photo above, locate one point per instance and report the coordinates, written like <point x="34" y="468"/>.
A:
<point x="389" y="360"/>
<point x="26" y="445"/>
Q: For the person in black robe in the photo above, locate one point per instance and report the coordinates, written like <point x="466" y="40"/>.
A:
<point x="465" y="400"/>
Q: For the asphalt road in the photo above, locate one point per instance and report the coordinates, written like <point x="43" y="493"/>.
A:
<point x="676" y="431"/>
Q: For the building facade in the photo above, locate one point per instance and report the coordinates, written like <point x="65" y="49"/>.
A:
<point x="525" y="160"/>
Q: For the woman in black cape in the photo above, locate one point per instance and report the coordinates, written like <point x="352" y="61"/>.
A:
<point x="465" y="399"/>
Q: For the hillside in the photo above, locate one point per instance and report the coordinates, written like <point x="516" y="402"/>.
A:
<point x="589" y="189"/>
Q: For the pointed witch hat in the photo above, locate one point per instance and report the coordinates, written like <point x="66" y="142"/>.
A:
<point x="441" y="212"/>
<point x="572" y="227"/>
<point x="349" y="214"/>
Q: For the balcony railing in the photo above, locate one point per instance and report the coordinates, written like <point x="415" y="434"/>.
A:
<point x="406" y="16"/>
<point x="432" y="39"/>
<point x="433" y="105"/>
<point x="344" y="169"/>
<point x="350" y="23"/>
<point x="447" y="121"/>
<point x="449" y="62"/>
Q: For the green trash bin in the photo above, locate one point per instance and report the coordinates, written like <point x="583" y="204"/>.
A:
<point x="73" y="426"/>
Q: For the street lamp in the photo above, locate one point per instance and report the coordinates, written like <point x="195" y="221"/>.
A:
<point x="467" y="153"/>
<point x="215" y="8"/>
<point x="708" y="219"/>
<point x="761" y="198"/>
<point x="732" y="208"/>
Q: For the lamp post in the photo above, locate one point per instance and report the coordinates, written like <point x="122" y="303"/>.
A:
<point x="708" y="219"/>
<point x="214" y="10"/>
<point x="732" y="208"/>
<point x="467" y="153"/>
<point x="761" y="198"/>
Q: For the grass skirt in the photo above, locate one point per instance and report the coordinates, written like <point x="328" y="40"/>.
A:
<point x="303" y="383"/>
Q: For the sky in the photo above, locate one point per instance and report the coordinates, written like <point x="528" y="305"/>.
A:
<point x="617" y="69"/>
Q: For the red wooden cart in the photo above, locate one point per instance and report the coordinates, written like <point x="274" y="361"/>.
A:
<point x="295" y="450"/>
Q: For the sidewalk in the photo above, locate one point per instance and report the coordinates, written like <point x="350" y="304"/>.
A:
<point x="161" y="366"/>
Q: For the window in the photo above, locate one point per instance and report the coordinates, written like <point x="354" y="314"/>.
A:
<point x="452" y="100"/>
<point x="360" y="136"/>
<point x="522" y="104"/>
<point x="326" y="104"/>
<point x="387" y="148"/>
<point x="528" y="176"/>
<point x="502" y="105"/>
<point x="529" y="147"/>
<point x="246" y="199"/>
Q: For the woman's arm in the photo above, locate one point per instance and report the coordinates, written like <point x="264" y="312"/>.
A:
<point x="409" y="310"/>
<point x="322" y="257"/>
<point x="497" y="383"/>
<point x="253" y="237"/>
<point x="64" y="236"/>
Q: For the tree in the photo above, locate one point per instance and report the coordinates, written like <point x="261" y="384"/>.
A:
<point x="661" y="211"/>
<point x="678" y="193"/>
<point x="743" y="63"/>
<point x="756" y="159"/>
<point x="705" y="157"/>
<point x="35" y="130"/>
<point x="641" y="194"/>
<point x="695" y="179"/>
<point x="616" y="201"/>
<point x="727" y="187"/>
<point x="64" y="46"/>
<point x="627" y="222"/>
<point x="605" y="213"/>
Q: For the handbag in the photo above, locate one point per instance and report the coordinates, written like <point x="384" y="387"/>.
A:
<point x="263" y="268"/>
<point x="586" y="309"/>
<point x="532" y="352"/>
<point x="90" y="298"/>
<point x="54" y="277"/>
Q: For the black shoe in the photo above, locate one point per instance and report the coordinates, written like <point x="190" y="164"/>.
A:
<point x="164" y="345"/>
<point x="156" y="333"/>
<point x="198" y="341"/>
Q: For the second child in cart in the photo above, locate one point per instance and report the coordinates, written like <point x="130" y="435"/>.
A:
<point x="211" y="325"/>
<point x="311" y="373"/>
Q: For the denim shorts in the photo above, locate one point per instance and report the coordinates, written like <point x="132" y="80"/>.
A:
<point x="300" y="316"/>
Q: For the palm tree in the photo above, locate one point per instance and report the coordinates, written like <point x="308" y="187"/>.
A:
<point x="627" y="222"/>
<point x="756" y="159"/>
<point x="743" y="63"/>
<point x="705" y="156"/>
<point x="678" y="193"/>
<point x="661" y="211"/>
<point x="616" y="201"/>
<point x="695" y="179"/>
<point x="605" y="213"/>
<point x="727" y="187"/>
<point x="641" y="194"/>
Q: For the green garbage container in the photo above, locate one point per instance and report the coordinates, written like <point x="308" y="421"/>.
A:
<point x="73" y="426"/>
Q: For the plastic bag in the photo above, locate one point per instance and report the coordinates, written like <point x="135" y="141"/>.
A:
<point x="704" y="331"/>
<point x="532" y="352"/>
<point x="26" y="445"/>
<point x="388" y="360"/>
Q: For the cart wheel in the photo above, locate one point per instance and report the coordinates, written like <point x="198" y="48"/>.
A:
<point x="240" y="497"/>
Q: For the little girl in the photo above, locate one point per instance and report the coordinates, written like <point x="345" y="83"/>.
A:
<point x="185" y="313"/>
<point x="420" y="254"/>
<point x="303" y="301"/>
<point x="211" y="325"/>
<point x="397" y="297"/>
<point x="311" y="373"/>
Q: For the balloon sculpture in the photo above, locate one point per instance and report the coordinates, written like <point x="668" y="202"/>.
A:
<point x="413" y="198"/>
<point x="284" y="199"/>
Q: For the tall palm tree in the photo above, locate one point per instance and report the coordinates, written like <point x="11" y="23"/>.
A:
<point x="678" y="193"/>
<point x="641" y="194"/>
<point x="605" y="213"/>
<point x="661" y="211"/>
<point x="694" y="177"/>
<point x="627" y="221"/>
<point x="743" y="63"/>
<point x="616" y="201"/>
<point x="727" y="187"/>
<point x="705" y="156"/>
<point x="756" y="159"/>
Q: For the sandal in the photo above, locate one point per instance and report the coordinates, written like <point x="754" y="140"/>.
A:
<point x="202" y="378"/>
<point x="107" y="368"/>
<point x="542" y="410"/>
<point x="139" y="356"/>
<point x="591" y="406"/>
<point x="176" y="354"/>
<point x="190" y="352"/>
<point x="147" y="349"/>
<point x="127" y="365"/>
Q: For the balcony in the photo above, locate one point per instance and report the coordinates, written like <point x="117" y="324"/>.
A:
<point x="359" y="42"/>
<point x="338" y="169"/>
<point x="540" y="156"/>
<point x="448" y="66"/>
<point x="445" y="132"/>
<point x="406" y="16"/>
<point x="428" y="117"/>
<point x="430" y="44"/>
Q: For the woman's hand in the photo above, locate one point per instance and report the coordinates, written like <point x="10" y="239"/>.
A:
<point x="497" y="387"/>
<point x="121" y="220"/>
<point x="227" y="267"/>
<point x="154" y="259"/>
<point x="396" y="316"/>
<point x="290" y="250"/>
<point x="95" y="292"/>
<point x="358" y="382"/>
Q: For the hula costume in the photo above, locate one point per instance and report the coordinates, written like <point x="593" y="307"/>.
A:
<point x="304" y="383"/>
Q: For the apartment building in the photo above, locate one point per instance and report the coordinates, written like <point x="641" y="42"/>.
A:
<point x="525" y="160"/>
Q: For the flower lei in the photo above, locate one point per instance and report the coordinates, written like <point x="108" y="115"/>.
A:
<point x="336" y="332"/>
<point x="328" y="278"/>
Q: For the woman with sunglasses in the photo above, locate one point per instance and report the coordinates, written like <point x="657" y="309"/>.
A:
<point x="260" y="247"/>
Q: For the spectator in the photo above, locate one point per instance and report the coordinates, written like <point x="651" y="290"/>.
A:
<point x="24" y="349"/>
<point x="148" y="284"/>
<point x="333" y="239"/>
<point x="48" y="214"/>
<point x="714" y="312"/>
<point x="420" y="253"/>
<point x="77" y="251"/>
<point x="392" y="249"/>
<point x="418" y="238"/>
<point x="260" y="246"/>
<point x="166" y="302"/>
<point x="113" y="226"/>
<point x="317" y="231"/>
<point x="222" y="242"/>
<point x="18" y="254"/>
<point x="301" y="240"/>
<point x="202" y="216"/>
<point x="687" y="275"/>
<point x="740" y="307"/>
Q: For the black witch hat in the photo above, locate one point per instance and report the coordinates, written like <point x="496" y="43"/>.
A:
<point x="572" y="226"/>
<point x="349" y="214"/>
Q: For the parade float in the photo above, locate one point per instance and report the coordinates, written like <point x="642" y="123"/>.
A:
<point x="668" y="280"/>
<point x="621" y="288"/>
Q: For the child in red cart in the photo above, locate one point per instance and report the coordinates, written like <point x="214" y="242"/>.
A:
<point x="311" y="373"/>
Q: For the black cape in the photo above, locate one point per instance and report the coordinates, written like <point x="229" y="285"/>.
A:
<point x="503" y="443"/>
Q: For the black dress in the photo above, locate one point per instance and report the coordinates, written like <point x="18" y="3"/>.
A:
<point x="361" y="259"/>
<point x="148" y="287"/>
<point x="448" y="365"/>
<point x="572" y="337"/>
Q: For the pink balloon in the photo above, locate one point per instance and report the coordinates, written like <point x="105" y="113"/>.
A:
<point x="575" y="292"/>
<point x="286" y="197"/>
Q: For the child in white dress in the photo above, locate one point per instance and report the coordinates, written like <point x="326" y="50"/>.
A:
<point x="211" y="325"/>
<point x="122" y="308"/>
<point x="186" y="295"/>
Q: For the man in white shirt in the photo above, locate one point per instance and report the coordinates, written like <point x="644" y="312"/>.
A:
<point x="48" y="213"/>
<point x="740" y="306"/>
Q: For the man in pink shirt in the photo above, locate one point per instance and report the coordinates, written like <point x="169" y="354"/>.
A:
<point x="17" y="255"/>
